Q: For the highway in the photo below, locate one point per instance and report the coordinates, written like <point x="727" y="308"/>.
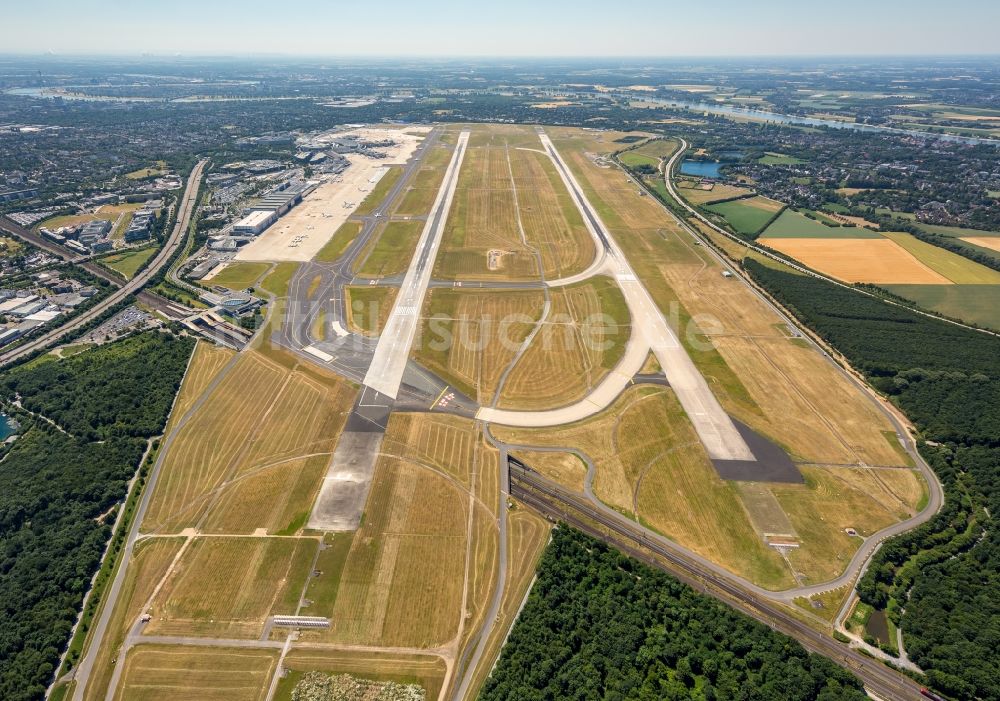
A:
<point x="184" y="212"/>
<point x="558" y="503"/>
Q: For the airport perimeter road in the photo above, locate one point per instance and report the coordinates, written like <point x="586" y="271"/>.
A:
<point x="650" y="330"/>
<point x="393" y="350"/>
<point x="184" y="212"/>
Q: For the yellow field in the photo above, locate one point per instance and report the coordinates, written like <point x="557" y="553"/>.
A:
<point x="991" y="242"/>
<point x="469" y="337"/>
<point x="149" y="564"/>
<point x="956" y="268"/>
<point x="879" y="261"/>
<point x="226" y="587"/>
<point x="566" y="359"/>
<point x="171" y="672"/>
<point x="698" y="195"/>
<point x="205" y="364"/>
<point x="262" y="416"/>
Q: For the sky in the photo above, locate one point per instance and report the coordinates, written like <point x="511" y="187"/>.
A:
<point x="533" y="28"/>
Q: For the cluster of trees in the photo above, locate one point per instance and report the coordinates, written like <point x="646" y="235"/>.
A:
<point x="60" y="484"/>
<point x="941" y="582"/>
<point x="599" y="626"/>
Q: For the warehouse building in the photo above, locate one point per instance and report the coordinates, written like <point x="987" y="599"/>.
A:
<point x="255" y="222"/>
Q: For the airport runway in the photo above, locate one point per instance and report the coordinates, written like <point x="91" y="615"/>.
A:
<point x="650" y="331"/>
<point x="393" y="351"/>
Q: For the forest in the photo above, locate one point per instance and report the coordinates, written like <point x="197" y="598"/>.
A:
<point x="600" y="626"/>
<point x="83" y="434"/>
<point x="940" y="582"/>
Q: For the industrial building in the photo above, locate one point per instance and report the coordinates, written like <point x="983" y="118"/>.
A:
<point x="255" y="222"/>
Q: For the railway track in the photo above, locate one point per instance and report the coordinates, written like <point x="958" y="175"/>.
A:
<point x="561" y="504"/>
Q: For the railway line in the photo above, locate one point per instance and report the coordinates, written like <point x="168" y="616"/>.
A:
<point x="559" y="504"/>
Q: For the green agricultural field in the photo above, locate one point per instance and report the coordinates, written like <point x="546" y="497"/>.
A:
<point x="955" y="231"/>
<point x="239" y="276"/>
<point x="747" y="216"/>
<point x="129" y="262"/>
<point x="974" y="304"/>
<point x="634" y="158"/>
<point x="779" y="159"/>
<point x="393" y="250"/>
<point x="794" y="225"/>
<point x="956" y="268"/>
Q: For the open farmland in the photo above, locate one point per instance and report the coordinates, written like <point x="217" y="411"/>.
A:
<point x="990" y="242"/>
<point x="747" y="216"/>
<point x="878" y="261"/>
<point x="794" y="225"/>
<point x="698" y="193"/>
<point x="581" y="339"/>
<point x="469" y="337"/>
<point x="974" y="304"/>
<point x="956" y="268"/>
<point x="169" y="672"/>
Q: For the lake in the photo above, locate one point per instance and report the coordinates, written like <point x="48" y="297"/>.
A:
<point x="700" y="169"/>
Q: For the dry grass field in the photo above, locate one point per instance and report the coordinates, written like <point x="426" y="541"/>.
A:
<point x="552" y="223"/>
<point x="469" y="337"/>
<point x="403" y="580"/>
<point x="879" y="261"/>
<point x="426" y="670"/>
<point x="262" y="417"/>
<point x="227" y="586"/>
<point x="149" y="564"/>
<point x="368" y="307"/>
<point x="762" y="376"/>
<point x="404" y="574"/>
<point x="171" y="672"/>
<point x="564" y="468"/>
<point x="423" y="188"/>
<point x="650" y="466"/>
<point x="527" y="535"/>
<point x="483" y="218"/>
<point x="391" y="251"/>
<point x="207" y="362"/>
<point x="582" y="338"/>
<point x="835" y="499"/>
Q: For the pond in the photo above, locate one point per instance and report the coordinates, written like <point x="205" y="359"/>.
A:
<point x="8" y="427"/>
<point x="700" y="169"/>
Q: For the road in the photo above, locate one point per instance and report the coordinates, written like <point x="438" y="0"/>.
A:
<point x="557" y="503"/>
<point x="393" y="350"/>
<point x="650" y="331"/>
<point x="184" y="212"/>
